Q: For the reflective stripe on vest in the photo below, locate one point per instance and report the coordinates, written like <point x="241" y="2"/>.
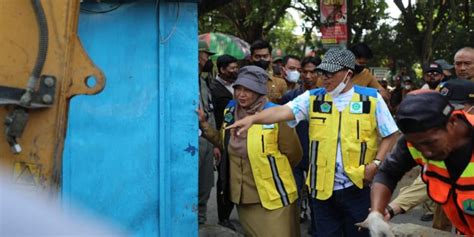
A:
<point x="355" y="126"/>
<point x="271" y="169"/>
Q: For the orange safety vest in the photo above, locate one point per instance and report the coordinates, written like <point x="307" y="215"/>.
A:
<point x="456" y="198"/>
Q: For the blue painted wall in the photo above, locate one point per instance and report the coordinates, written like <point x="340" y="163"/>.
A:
<point x="128" y="151"/>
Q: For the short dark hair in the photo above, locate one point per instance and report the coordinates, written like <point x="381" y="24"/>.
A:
<point x="224" y="61"/>
<point x="361" y="50"/>
<point x="285" y="59"/>
<point x="260" y="44"/>
<point x="314" y="60"/>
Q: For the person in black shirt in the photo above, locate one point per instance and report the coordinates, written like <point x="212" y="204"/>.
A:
<point x="438" y="137"/>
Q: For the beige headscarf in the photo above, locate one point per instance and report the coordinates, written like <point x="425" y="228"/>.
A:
<point x="239" y="144"/>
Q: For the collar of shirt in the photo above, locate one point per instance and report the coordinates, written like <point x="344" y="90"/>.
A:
<point x="342" y="100"/>
<point x="226" y="84"/>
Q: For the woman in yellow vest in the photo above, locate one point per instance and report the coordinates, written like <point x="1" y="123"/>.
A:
<point x="260" y="178"/>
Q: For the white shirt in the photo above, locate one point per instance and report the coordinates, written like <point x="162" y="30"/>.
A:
<point x="226" y="84"/>
<point x="385" y="123"/>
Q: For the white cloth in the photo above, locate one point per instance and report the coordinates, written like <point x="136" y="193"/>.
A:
<point x="226" y="84"/>
<point x="385" y="123"/>
<point x="377" y="226"/>
<point x="27" y="212"/>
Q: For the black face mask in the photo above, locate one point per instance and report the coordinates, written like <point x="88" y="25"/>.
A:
<point x="231" y="77"/>
<point x="359" y="68"/>
<point x="433" y="84"/>
<point x="262" y="63"/>
<point x="276" y="69"/>
<point x="208" y="66"/>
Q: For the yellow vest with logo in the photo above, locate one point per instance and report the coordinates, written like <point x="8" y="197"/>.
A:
<point x="271" y="169"/>
<point x="356" y="129"/>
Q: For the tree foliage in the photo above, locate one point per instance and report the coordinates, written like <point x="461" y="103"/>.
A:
<point x="427" y="24"/>
<point x="246" y="19"/>
<point x="426" y="29"/>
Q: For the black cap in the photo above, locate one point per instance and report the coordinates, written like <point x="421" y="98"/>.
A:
<point x="433" y="67"/>
<point x="458" y="91"/>
<point x="422" y="110"/>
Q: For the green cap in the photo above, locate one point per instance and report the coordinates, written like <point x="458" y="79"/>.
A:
<point x="203" y="47"/>
<point x="277" y="54"/>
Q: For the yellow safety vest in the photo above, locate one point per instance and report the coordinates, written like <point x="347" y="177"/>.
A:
<point x="271" y="169"/>
<point x="355" y="127"/>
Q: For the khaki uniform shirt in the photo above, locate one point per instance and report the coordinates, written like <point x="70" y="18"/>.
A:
<point x="276" y="88"/>
<point x="243" y="189"/>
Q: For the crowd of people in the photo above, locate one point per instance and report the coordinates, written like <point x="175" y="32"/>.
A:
<point x="316" y="138"/>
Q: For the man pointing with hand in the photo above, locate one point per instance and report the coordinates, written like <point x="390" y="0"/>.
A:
<point x="344" y="124"/>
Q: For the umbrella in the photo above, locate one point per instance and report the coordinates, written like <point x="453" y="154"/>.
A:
<point x="220" y="44"/>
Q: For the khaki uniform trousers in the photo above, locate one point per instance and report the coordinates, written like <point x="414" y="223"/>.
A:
<point x="260" y="222"/>
<point x="415" y="194"/>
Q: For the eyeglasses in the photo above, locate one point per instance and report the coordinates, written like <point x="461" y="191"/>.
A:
<point x="433" y="74"/>
<point x="326" y="74"/>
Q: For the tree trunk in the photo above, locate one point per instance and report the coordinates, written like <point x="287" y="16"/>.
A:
<point x="350" y="6"/>
<point x="427" y="42"/>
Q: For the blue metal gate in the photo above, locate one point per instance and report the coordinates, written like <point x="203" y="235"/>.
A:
<point x="131" y="151"/>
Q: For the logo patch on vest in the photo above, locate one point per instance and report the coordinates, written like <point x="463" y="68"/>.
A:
<point x="228" y="117"/>
<point x="356" y="108"/>
<point x="468" y="206"/>
<point x="268" y="126"/>
<point x="325" y="107"/>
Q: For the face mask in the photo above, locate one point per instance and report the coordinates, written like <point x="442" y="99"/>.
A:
<point x="262" y="64"/>
<point x="292" y="76"/>
<point x="407" y="87"/>
<point x="208" y="66"/>
<point x="433" y="84"/>
<point x="337" y="91"/>
<point x="231" y="77"/>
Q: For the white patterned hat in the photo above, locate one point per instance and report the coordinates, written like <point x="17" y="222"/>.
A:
<point x="337" y="59"/>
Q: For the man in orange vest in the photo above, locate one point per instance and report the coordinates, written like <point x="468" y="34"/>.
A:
<point x="438" y="137"/>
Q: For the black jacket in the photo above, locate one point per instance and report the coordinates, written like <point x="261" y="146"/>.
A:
<point x="220" y="98"/>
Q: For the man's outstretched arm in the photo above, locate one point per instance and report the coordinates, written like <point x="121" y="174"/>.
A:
<point x="267" y="116"/>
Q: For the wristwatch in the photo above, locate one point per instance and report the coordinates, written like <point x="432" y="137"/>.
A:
<point x="377" y="162"/>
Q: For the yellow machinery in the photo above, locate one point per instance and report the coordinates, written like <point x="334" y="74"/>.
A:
<point x="42" y="65"/>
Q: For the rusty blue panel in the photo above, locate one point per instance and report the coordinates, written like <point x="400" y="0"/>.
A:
<point x="131" y="151"/>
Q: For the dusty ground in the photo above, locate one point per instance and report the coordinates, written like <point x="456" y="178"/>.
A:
<point x="212" y="229"/>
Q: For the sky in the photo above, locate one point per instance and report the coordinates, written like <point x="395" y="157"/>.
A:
<point x="392" y="10"/>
